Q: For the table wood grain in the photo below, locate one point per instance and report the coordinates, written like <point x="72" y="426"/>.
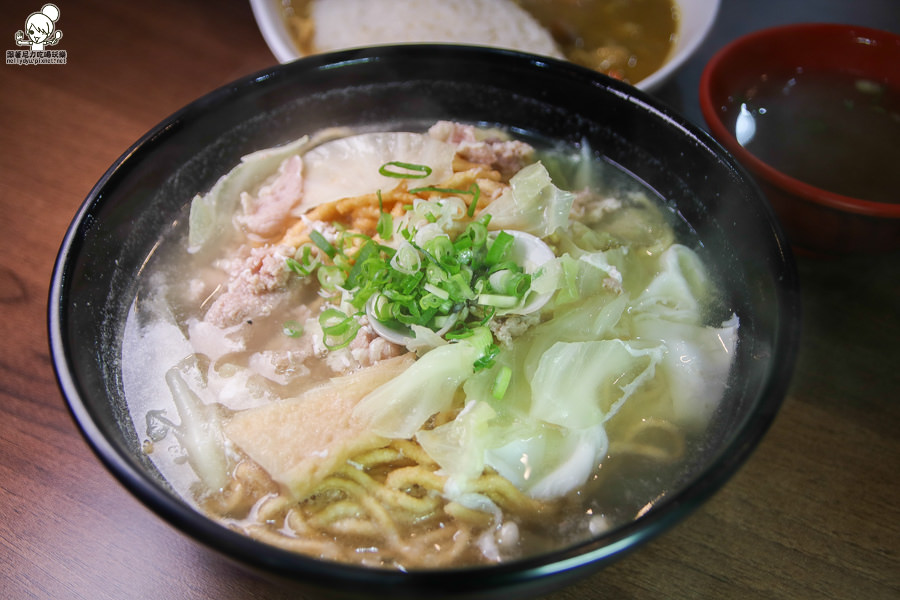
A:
<point x="814" y="513"/>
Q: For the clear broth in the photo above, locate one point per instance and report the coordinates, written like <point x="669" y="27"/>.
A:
<point x="835" y="131"/>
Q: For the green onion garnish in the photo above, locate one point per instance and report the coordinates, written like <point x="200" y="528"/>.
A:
<point x="458" y="283"/>
<point x="501" y="382"/>
<point x="292" y="329"/>
<point x="473" y="190"/>
<point x="385" y="226"/>
<point x="419" y="171"/>
<point x="499" y="249"/>
<point x="324" y="245"/>
<point x="339" y="329"/>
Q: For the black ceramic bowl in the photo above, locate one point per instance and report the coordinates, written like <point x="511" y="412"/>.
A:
<point x="147" y="191"/>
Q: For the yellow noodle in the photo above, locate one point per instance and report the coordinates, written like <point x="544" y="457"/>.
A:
<point x="669" y="448"/>
<point x="467" y="515"/>
<point x="378" y="456"/>
<point x="392" y="497"/>
<point x="439" y="549"/>
<point x="415" y="452"/>
<point x="504" y="493"/>
<point x="410" y="477"/>
<point x="336" y="511"/>
<point x="309" y="546"/>
<point x="355" y="527"/>
<point x="272" y="508"/>
<point x="387" y="502"/>
<point x="380" y="515"/>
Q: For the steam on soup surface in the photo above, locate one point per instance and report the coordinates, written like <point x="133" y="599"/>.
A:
<point x="410" y="350"/>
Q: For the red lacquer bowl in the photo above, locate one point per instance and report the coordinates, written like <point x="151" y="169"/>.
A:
<point x="816" y="221"/>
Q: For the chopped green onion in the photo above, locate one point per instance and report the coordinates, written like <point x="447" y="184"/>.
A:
<point x="385" y="226"/>
<point x="303" y="262"/>
<point x="407" y="259"/>
<point x="367" y="250"/>
<point x="296" y="267"/>
<point x="324" y="245"/>
<point x="338" y="328"/>
<point x="499" y="248"/>
<point x="473" y="190"/>
<point x="439" y="292"/>
<point x="431" y="302"/>
<point x="510" y="282"/>
<point x="331" y="277"/>
<point x="476" y="194"/>
<point x="292" y="329"/>
<point x="381" y="308"/>
<point x="501" y="382"/>
<point x="419" y="171"/>
<point x="498" y="300"/>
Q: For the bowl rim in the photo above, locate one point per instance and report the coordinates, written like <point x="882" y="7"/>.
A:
<point x="711" y="114"/>
<point x="566" y="563"/>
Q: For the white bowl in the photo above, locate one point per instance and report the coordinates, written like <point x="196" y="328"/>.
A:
<point x="697" y="17"/>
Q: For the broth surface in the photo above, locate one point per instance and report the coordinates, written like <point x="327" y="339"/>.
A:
<point x="835" y="131"/>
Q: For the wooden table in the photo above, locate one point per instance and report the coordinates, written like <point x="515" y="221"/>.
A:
<point x="813" y="514"/>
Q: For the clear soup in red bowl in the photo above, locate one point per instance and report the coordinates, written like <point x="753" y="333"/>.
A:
<point x="813" y="111"/>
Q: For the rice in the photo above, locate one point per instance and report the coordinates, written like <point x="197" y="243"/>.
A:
<point x="499" y="23"/>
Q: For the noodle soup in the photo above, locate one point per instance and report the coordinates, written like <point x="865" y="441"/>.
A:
<point x="416" y="349"/>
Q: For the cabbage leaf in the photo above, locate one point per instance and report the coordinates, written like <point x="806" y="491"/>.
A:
<point x="212" y="213"/>
<point x="548" y="462"/>
<point x="679" y="288"/>
<point x="583" y="384"/>
<point x="400" y="407"/>
<point x="531" y="204"/>
<point x="696" y="364"/>
<point x="540" y="459"/>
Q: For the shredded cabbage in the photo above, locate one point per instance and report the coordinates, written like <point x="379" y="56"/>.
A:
<point x="458" y="446"/>
<point x="573" y="373"/>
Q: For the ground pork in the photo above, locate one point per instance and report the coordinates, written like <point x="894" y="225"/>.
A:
<point x="266" y="214"/>
<point x="257" y="285"/>
<point x="509" y="327"/>
<point x="589" y="208"/>
<point x="506" y="156"/>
